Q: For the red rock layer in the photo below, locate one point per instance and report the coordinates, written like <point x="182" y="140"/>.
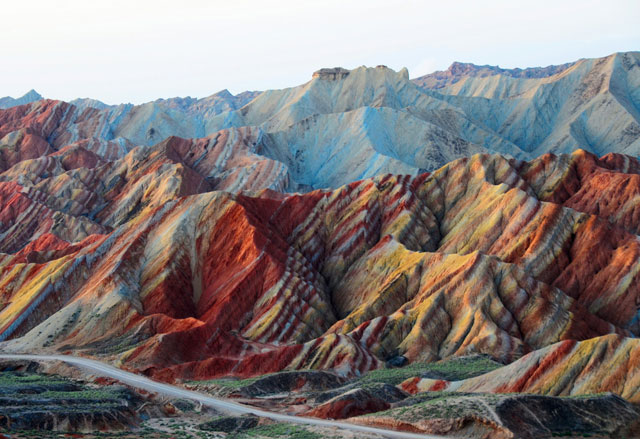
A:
<point x="354" y="403"/>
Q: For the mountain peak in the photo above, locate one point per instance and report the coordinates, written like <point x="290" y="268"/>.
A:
<point x="225" y="93"/>
<point x="33" y="95"/>
<point x="27" y="98"/>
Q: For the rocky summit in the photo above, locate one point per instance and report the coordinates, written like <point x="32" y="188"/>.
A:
<point x="359" y="238"/>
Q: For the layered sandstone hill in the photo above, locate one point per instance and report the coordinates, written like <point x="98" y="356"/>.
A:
<point x="603" y="364"/>
<point x="142" y="261"/>
<point x="344" y="125"/>
<point x="569" y="368"/>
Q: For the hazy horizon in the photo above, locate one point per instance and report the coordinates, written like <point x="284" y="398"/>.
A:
<point x="142" y="51"/>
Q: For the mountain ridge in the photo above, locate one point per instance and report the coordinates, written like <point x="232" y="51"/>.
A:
<point x="385" y="121"/>
<point x="458" y="70"/>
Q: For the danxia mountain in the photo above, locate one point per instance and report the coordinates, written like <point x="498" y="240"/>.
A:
<point x="470" y="235"/>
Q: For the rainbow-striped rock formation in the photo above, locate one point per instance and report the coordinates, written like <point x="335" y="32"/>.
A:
<point x="603" y="364"/>
<point x="140" y="260"/>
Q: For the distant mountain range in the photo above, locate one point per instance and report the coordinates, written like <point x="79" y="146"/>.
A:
<point x="345" y="125"/>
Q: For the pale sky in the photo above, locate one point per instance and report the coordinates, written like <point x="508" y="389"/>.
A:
<point x="139" y="50"/>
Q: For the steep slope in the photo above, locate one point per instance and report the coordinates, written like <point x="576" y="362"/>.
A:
<point x="510" y="416"/>
<point x="375" y="118"/>
<point x="324" y="149"/>
<point x="32" y="130"/>
<point x="568" y="368"/>
<point x="83" y="103"/>
<point x="179" y="281"/>
<point x="379" y="115"/>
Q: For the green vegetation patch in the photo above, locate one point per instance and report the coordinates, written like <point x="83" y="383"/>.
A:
<point x="32" y="400"/>
<point x="29" y="386"/>
<point x="87" y="394"/>
<point x="19" y="380"/>
<point x="442" y="405"/>
<point x="454" y="369"/>
<point x="226" y="383"/>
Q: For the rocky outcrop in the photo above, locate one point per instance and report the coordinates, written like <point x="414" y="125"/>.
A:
<point x="334" y="74"/>
<point x="230" y="424"/>
<point x="32" y="401"/>
<point x="110" y="130"/>
<point x="559" y="113"/>
<point x="536" y="416"/>
<point x="569" y="368"/>
<point x="293" y="381"/>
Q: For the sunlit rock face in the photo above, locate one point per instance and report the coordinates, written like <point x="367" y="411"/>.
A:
<point x="143" y="261"/>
